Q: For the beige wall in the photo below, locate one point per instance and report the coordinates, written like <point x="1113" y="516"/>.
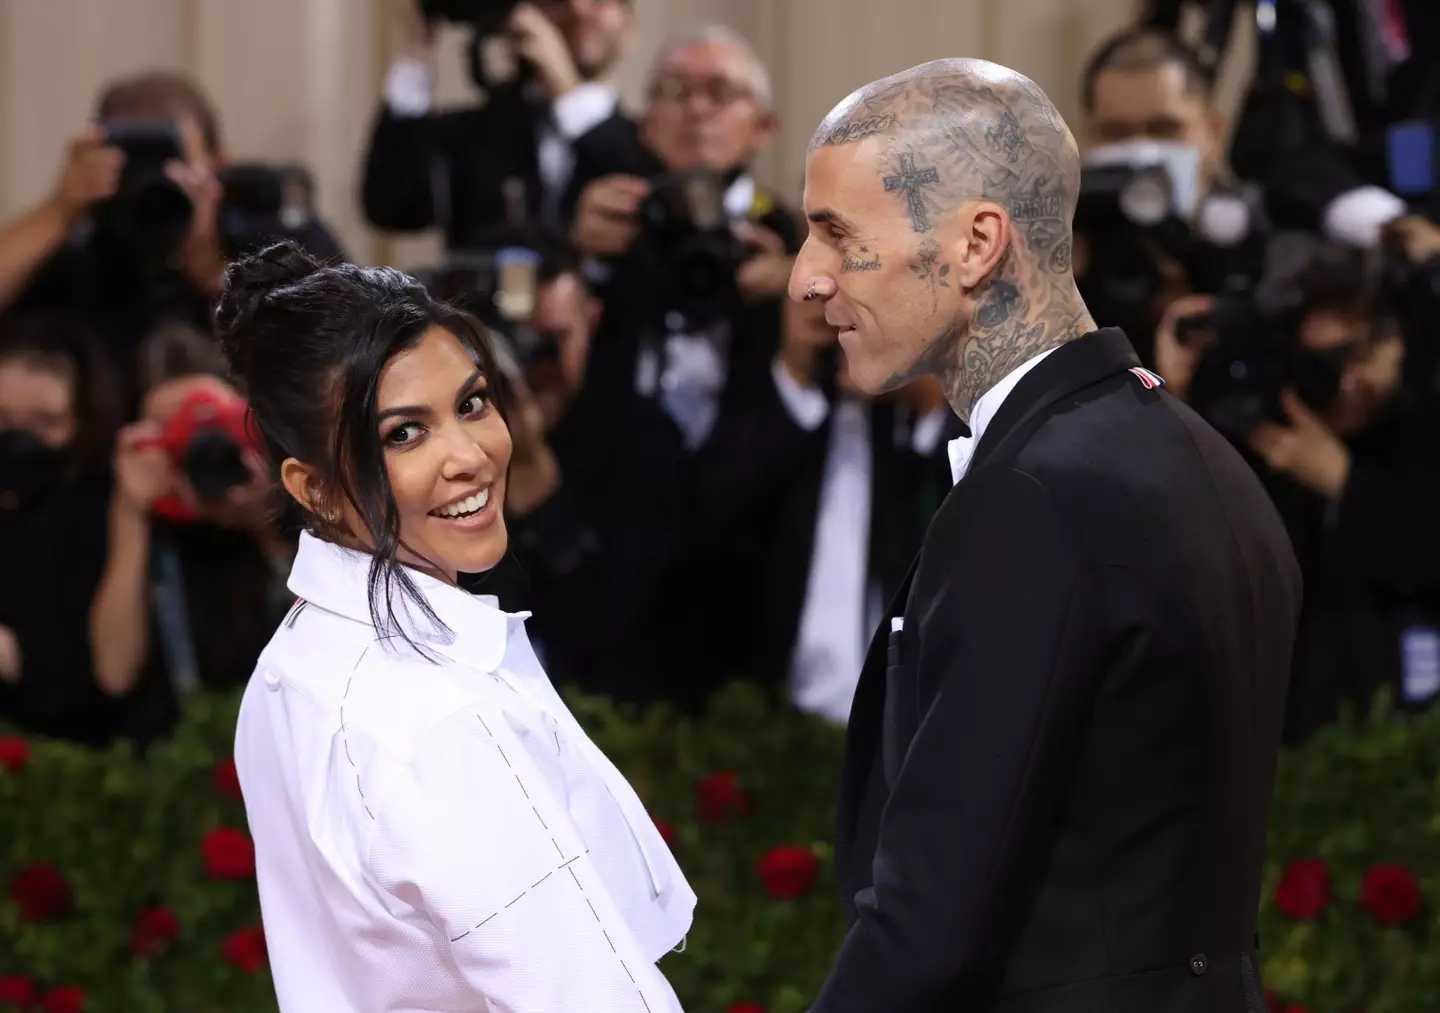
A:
<point x="298" y="79"/>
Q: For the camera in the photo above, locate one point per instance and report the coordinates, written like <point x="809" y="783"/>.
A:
<point x="149" y="213"/>
<point x="487" y="17"/>
<point x="687" y="249"/>
<point x="1259" y="351"/>
<point x="261" y="202"/>
<point x="207" y="439"/>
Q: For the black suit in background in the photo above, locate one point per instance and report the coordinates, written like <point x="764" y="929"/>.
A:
<point x="451" y="169"/>
<point x="758" y="493"/>
<point x="1058" y="773"/>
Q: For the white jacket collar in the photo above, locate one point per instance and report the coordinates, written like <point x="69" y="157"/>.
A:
<point x="337" y="580"/>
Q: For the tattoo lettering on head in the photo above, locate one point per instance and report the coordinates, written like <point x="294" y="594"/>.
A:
<point x="867" y="261"/>
<point x="853" y="133"/>
<point x="1034" y="207"/>
<point x="1060" y="257"/>
<point x="911" y="179"/>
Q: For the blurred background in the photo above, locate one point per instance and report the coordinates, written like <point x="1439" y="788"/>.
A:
<point x="706" y="517"/>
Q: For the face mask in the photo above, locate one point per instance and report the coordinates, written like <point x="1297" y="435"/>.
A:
<point x="28" y="467"/>
<point x="1181" y="163"/>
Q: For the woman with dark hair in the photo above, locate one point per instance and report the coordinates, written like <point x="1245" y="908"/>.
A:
<point x="433" y="829"/>
<point x="57" y="423"/>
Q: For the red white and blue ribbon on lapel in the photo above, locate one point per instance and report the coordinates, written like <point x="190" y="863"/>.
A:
<point x="1149" y="379"/>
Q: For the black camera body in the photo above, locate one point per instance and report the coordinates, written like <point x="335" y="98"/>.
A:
<point x="687" y="250"/>
<point x="149" y="214"/>
<point x="487" y="17"/>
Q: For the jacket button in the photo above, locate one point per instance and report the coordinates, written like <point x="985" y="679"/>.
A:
<point x="1199" y="964"/>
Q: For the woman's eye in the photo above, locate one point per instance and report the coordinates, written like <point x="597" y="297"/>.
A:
<point x="474" y="404"/>
<point x="402" y="435"/>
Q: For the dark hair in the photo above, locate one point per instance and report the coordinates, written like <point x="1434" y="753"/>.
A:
<point x="163" y="95"/>
<point x="177" y="349"/>
<point x="307" y="344"/>
<point x="60" y="343"/>
<point x="1144" y="48"/>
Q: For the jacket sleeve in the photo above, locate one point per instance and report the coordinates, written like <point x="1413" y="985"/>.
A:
<point x="1002" y="675"/>
<point x="468" y="834"/>
<point x="401" y="167"/>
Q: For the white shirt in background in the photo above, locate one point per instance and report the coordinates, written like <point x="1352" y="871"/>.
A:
<point x="441" y="834"/>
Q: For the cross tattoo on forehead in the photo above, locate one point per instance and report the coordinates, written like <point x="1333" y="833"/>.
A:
<point x="911" y="179"/>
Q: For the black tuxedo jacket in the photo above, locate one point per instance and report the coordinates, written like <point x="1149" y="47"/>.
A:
<point x="1058" y="772"/>
<point x="450" y="169"/>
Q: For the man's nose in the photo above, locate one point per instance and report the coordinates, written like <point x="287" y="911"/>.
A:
<point x="807" y="280"/>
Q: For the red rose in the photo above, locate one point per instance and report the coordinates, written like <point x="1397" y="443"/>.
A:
<point x="229" y="853"/>
<point x="746" y="1007"/>
<point x="245" y="948"/>
<point x="666" y="830"/>
<point x="14" y="754"/>
<point x="227" y="779"/>
<point x="787" y="871"/>
<point x="719" y="795"/>
<point x="64" y="1000"/>
<point x="1390" y="894"/>
<point x="155" y="926"/>
<point x="1304" y="889"/>
<point x="17" y="991"/>
<point x="41" y="892"/>
<point x="1272" y="1002"/>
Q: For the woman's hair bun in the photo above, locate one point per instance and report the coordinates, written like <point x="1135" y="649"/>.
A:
<point x="248" y="282"/>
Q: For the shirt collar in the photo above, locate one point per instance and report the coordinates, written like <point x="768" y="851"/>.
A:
<point x="740" y="197"/>
<point x="962" y="449"/>
<point x="337" y="579"/>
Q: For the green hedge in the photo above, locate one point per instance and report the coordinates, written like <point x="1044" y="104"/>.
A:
<point x="130" y="886"/>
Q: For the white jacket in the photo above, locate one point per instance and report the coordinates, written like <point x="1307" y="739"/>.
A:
<point x="441" y="834"/>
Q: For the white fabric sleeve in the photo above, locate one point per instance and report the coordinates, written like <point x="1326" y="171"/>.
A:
<point x="583" y="108"/>
<point x="1356" y="216"/>
<point x="808" y="406"/>
<point x="469" y="834"/>
<point x="407" y="87"/>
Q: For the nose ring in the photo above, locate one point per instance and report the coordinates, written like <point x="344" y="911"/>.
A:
<point x="810" y="291"/>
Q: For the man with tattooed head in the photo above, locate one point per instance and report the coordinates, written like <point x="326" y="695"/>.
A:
<point x="1062" y="746"/>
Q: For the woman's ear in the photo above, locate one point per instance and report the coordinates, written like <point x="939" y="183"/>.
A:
<point x="303" y="484"/>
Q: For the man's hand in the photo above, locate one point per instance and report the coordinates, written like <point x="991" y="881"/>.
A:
<point x="1306" y="450"/>
<point x="91" y="173"/>
<point x="201" y="253"/>
<point x="605" y="218"/>
<point x="538" y="40"/>
<point x="766" y="275"/>
<point x="1419" y="236"/>
<point x="143" y="472"/>
<point x="9" y="656"/>
<point x="1175" y="360"/>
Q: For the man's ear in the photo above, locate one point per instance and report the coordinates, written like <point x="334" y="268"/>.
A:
<point x="980" y="244"/>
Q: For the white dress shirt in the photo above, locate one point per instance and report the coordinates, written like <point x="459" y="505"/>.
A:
<point x="842" y="604"/>
<point x="962" y="448"/>
<point x="581" y="109"/>
<point x="440" y="834"/>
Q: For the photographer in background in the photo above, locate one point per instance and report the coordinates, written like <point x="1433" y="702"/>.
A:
<point x="58" y="416"/>
<point x="508" y="161"/>
<point x="1148" y="103"/>
<point x="194" y="573"/>
<point x="140" y="224"/>
<point x="1347" y="452"/>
